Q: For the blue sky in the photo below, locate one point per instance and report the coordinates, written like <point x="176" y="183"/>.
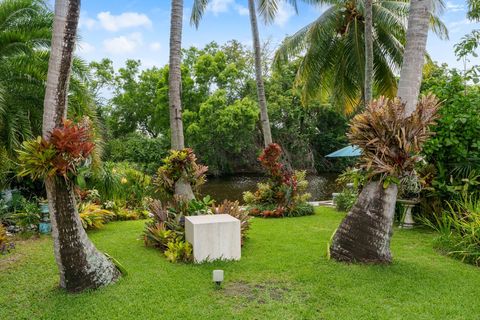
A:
<point x="139" y="29"/>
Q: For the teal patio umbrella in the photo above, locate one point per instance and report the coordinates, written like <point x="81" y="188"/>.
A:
<point x="350" y="151"/>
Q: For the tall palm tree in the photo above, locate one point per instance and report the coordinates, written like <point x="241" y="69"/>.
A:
<point x="80" y="264"/>
<point x="262" y="100"/>
<point x="414" y="56"/>
<point x="364" y="235"/>
<point x="333" y="51"/>
<point x="368" y="52"/>
<point x="268" y="10"/>
<point x="182" y="187"/>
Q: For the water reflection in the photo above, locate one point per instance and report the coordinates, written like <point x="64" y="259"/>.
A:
<point x="232" y="187"/>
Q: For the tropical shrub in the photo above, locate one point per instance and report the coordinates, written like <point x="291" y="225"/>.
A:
<point x="234" y="209"/>
<point x="282" y="192"/>
<point x="69" y="148"/>
<point x="166" y="231"/>
<point x="345" y="200"/>
<point x="180" y="164"/>
<point x="123" y="184"/>
<point x="179" y="250"/>
<point x="93" y="216"/>
<point x="29" y="216"/>
<point x="5" y="245"/>
<point x="459" y="228"/>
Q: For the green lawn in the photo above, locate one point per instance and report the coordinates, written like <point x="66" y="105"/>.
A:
<point x="283" y="274"/>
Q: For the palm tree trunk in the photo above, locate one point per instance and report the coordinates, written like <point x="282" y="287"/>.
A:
<point x="80" y="264"/>
<point x="262" y="101"/>
<point x="368" y="51"/>
<point x="364" y="235"/>
<point x="182" y="187"/>
<point x="414" y="55"/>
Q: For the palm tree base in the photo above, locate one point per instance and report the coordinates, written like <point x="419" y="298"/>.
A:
<point x="80" y="264"/>
<point x="364" y="235"/>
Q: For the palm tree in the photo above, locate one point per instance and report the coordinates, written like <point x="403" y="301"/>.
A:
<point x="364" y="235"/>
<point x="368" y="52"/>
<point x="333" y="51"/>
<point x="80" y="264"/>
<point x="182" y="187"/>
<point x="414" y="56"/>
<point x="262" y="100"/>
<point x="268" y="10"/>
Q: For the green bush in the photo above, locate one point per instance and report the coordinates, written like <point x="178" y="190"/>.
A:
<point x="146" y="153"/>
<point x="345" y="200"/>
<point x="459" y="228"/>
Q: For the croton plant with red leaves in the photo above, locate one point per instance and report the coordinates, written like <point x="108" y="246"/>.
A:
<point x="279" y="195"/>
<point x="68" y="148"/>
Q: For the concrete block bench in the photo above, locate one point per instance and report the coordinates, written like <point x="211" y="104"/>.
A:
<point x="213" y="237"/>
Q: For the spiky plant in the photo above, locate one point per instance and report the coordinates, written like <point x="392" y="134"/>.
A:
<point x="391" y="142"/>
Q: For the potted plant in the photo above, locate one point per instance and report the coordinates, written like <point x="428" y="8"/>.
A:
<point x="409" y="191"/>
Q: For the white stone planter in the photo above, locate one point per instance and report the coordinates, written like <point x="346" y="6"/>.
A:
<point x="408" y="221"/>
<point x="213" y="237"/>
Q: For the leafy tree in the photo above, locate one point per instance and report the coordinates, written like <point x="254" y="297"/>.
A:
<point x="223" y="134"/>
<point x="456" y="141"/>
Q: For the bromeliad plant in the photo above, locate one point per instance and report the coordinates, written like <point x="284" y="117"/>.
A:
<point x="69" y="148"/>
<point x="180" y="164"/>
<point x="283" y="194"/>
<point x="390" y="142"/>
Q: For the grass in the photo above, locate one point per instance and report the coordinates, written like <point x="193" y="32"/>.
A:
<point x="283" y="274"/>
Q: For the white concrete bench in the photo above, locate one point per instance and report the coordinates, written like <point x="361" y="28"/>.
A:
<point x="213" y="237"/>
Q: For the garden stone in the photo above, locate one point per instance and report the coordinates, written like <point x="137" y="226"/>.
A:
<point x="214" y="237"/>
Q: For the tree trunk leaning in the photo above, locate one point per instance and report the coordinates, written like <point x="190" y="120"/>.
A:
<point x="257" y="50"/>
<point x="414" y="54"/>
<point x="80" y="264"/>
<point x="368" y="52"/>
<point x="364" y="234"/>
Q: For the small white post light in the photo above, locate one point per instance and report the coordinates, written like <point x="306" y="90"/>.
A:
<point x="218" y="277"/>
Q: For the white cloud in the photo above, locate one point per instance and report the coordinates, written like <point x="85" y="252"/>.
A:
<point x="87" y="23"/>
<point x="457" y="26"/>
<point x="219" y="6"/>
<point x="125" y="20"/>
<point x="454" y="7"/>
<point x="123" y="44"/>
<point x="284" y="13"/>
<point x="155" y="46"/>
<point x="85" y="48"/>
<point x="243" y="11"/>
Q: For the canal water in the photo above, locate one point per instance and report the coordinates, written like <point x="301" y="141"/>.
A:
<point x="232" y="187"/>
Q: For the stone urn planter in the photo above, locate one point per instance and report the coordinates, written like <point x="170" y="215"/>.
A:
<point x="408" y="204"/>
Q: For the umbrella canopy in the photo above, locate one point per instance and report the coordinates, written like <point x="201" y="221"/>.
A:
<point x="350" y="151"/>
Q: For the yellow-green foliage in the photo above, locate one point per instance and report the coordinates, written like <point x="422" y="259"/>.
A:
<point x="3" y="235"/>
<point x="93" y="216"/>
<point x="179" y="250"/>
